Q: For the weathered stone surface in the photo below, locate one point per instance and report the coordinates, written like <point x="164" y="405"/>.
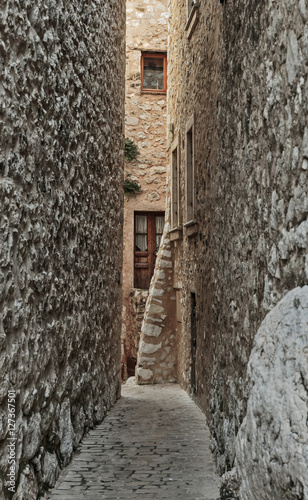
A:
<point x="147" y="348"/>
<point x="27" y="487"/>
<point x="132" y="315"/>
<point x="51" y="469"/>
<point x="66" y="432"/>
<point x="243" y="77"/>
<point x="151" y="330"/>
<point x="132" y="120"/>
<point x="230" y="484"/>
<point x="272" y="443"/>
<point x="145" y="374"/>
<point x="161" y="366"/>
<point x="61" y="157"/>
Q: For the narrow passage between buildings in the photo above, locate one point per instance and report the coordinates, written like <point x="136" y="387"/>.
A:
<point x="153" y="444"/>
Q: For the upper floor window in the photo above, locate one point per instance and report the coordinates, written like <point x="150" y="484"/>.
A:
<point x="190" y="190"/>
<point x="175" y="184"/>
<point x="154" y="72"/>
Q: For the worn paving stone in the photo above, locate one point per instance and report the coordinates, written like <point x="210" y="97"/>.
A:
<point x="152" y="445"/>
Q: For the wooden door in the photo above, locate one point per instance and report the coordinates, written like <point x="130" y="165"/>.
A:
<point x="148" y="232"/>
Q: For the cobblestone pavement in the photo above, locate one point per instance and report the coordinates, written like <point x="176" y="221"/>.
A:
<point x="152" y="445"/>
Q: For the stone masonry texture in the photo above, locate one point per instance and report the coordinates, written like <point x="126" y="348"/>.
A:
<point x="243" y="78"/>
<point x="61" y="173"/>
<point x="146" y="113"/>
<point x="153" y="445"/>
<point x="157" y="356"/>
<point x="272" y="443"/>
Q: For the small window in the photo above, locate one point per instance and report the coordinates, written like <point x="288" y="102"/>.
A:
<point x="190" y="202"/>
<point x="154" y="72"/>
<point x="175" y="185"/>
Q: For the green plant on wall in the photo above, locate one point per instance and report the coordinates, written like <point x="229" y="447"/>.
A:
<point x="131" y="149"/>
<point x="131" y="188"/>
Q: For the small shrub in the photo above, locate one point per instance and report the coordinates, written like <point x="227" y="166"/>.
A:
<point x="131" y="150"/>
<point x="131" y="188"/>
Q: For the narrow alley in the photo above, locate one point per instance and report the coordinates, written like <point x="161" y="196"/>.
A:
<point x="153" y="444"/>
<point x="154" y="223"/>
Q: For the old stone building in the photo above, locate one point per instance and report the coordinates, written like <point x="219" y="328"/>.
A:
<point x="61" y="176"/>
<point x="224" y="195"/>
<point x="236" y="223"/>
<point x="145" y="126"/>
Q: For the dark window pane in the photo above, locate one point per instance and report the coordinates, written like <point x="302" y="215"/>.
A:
<point x="153" y="73"/>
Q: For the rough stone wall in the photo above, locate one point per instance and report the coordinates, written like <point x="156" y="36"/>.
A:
<point x="243" y="74"/>
<point x="145" y="124"/>
<point x="137" y="303"/>
<point x="272" y="443"/>
<point x="61" y="157"/>
<point x="193" y="89"/>
<point x="157" y="356"/>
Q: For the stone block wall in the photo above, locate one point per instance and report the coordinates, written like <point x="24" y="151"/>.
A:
<point x="272" y="443"/>
<point x="61" y="157"/>
<point x="242" y="75"/>
<point x="157" y="355"/>
<point x="131" y="336"/>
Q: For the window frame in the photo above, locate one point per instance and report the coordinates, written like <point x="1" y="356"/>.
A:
<point x="162" y="55"/>
<point x="190" y="171"/>
<point x="175" y="184"/>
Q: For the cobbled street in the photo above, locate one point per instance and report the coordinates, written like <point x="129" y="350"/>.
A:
<point x="153" y="444"/>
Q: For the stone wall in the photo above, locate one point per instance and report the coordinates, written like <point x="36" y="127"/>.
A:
<point x="131" y="336"/>
<point x="272" y="443"/>
<point x="242" y="76"/>
<point x="145" y="124"/>
<point x="61" y="156"/>
<point x="157" y="355"/>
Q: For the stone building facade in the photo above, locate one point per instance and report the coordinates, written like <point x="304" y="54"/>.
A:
<point x="237" y="195"/>
<point x="145" y="125"/>
<point x="61" y="177"/>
